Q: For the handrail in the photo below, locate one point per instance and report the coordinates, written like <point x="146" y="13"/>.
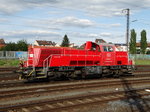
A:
<point x="45" y="62"/>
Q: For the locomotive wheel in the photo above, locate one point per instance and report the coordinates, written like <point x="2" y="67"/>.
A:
<point x="100" y="75"/>
<point x="117" y="73"/>
<point x="71" y="79"/>
<point x="83" y="75"/>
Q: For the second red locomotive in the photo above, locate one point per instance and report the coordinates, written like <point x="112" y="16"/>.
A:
<point x="94" y="59"/>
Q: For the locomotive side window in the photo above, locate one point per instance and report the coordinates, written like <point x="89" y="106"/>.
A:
<point x="108" y="48"/>
<point x="105" y="48"/>
<point x="95" y="47"/>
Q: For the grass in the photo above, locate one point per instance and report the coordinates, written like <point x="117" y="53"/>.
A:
<point x="9" y="62"/>
<point x="142" y="62"/>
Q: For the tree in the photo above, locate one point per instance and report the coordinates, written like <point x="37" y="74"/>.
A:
<point x="11" y="46"/>
<point x="132" y="44"/>
<point x="22" y="45"/>
<point x="65" y="42"/>
<point x="143" y="42"/>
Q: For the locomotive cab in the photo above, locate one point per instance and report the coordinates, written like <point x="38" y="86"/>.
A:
<point x="92" y="46"/>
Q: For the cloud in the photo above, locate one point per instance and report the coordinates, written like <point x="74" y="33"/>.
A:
<point x="104" y="7"/>
<point x="13" y="6"/>
<point x="68" y="21"/>
<point x="90" y="7"/>
<point x="30" y="35"/>
<point x="4" y="20"/>
<point x="73" y="21"/>
<point x="105" y="34"/>
<point x="115" y="25"/>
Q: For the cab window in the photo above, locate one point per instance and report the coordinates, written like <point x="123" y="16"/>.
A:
<point x="95" y="47"/>
<point x="105" y="48"/>
<point x="108" y="49"/>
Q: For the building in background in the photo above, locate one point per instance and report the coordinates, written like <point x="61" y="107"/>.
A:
<point x="98" y="41"/>
<point x="73" y="45"/>
<point x="123" y="47"/>
<point x="120" y="47"/>
<point x="138" y="45"/>
<point x="45" y="43"/>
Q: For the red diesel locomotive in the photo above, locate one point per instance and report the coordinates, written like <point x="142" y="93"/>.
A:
<point x="94" y="59"/>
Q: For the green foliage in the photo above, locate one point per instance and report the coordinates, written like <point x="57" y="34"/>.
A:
<point x="21" y="45"/>
<point x="65" y="42"/>
<point x="132" y="44"/>
<point x="11" y="46"/>
<point x="2" y="48"/>
<point x="9" y="62"/>
<point x="143" y="42"/>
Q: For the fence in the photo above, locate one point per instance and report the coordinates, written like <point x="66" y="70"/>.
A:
<point x="13" y="54"/>
<point x="139" y="56"/>
<point x="23" y="54"/>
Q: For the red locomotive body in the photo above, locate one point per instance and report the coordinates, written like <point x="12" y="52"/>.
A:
<point x="94" y="59"/>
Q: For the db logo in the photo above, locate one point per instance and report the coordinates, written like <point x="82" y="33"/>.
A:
<point x="108" y="55"/>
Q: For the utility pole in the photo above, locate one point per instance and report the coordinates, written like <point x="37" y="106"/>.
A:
<point x="127" y="11"/>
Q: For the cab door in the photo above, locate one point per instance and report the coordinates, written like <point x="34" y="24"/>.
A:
<point x="108" y="55"/>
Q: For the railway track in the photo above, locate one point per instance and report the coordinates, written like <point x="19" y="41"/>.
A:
<point x="15" y="77"/>
<point x="8" y="73"/>
<point x="76" y="101"/>
<point x="62" y="86"/>
<point x="8" y="77"/>
<point x="17" y="83"/>
<point x="8" y="69"/>
<point x="17" y="90"/>
<point x="24" y="91"/>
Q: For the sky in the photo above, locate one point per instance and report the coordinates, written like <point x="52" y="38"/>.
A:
<point x="81" y="20"/>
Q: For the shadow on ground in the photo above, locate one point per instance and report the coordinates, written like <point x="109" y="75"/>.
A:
<point x="134" y="99"/>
